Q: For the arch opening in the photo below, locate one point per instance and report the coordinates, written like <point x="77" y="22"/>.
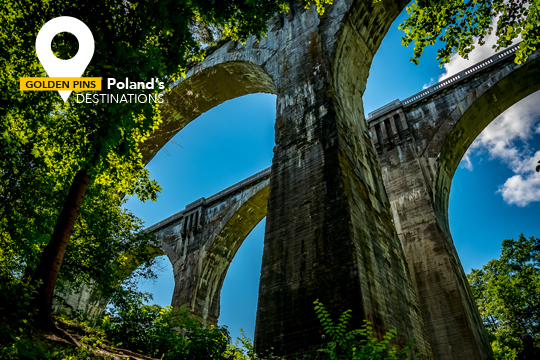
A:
<point x="240" y="290"/>
<point x="478" y="113"/>
<point x="202" y="91"/>
<point x="222" y="248"/>
<point x="161" y="288"/>
<point x="226" y="144"/>
<point x="497" y="176"/>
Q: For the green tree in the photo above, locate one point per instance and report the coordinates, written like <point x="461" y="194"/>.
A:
<point x="102" y="237"/>
<point x="507" y="293"/>
<point x="164" y="333"/>
<point x="455" y="24"/>
<point x="98" y="144"/>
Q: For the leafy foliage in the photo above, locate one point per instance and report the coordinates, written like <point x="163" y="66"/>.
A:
<point x="165" y="333"/>
<point x="456" y="24"/>
<point x="18" y="338"/>
<point x="508" y="296"/>
<point x="15" y="319"/>
<point x="45" y="142"/>
<point x="356" y="344"/>
<point x="107" y="240"/>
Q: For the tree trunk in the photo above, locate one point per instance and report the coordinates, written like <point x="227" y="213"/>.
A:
<point x="51" y="260"/>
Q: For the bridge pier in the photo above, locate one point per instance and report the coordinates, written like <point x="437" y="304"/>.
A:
<point x="451" y="318"/>
<point x="329" y="232"/>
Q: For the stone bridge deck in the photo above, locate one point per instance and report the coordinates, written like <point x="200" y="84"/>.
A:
<point x="206" y="202"/>
<point x="377" y="115"/>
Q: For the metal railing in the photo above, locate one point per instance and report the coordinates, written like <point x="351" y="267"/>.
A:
<point x="442" y="84"/>
<point x="211" y="199"/>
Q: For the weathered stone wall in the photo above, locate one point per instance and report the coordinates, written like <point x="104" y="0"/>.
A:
<point x="201" y="241"/>
<point x="329" y="232"/>
<point x="86" y="300"/>
<point x="420" y="142"/>
<point x="83" y="300"/>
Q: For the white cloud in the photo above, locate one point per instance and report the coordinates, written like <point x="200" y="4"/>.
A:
<point x="428" y="85"/>
<point x="457" y="63"/>
<point x="521" y="190"/>
<point x="466" y="160"/>
<point x="508" y="137"/>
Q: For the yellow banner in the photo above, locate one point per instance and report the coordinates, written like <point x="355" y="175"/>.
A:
<point x="60" y="83"/>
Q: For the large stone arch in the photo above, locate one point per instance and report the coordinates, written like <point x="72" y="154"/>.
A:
<point x="375" y="242"/>
<point x="202" y="240"/>
<point x="222" y="247"/>
<point x="206" y="86"/>
<point x="329" y="232"/>
<point x="419" y="142"/>
<point x="495" y="95"/>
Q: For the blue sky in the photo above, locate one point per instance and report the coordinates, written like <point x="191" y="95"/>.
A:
<point x="495" y="192"/>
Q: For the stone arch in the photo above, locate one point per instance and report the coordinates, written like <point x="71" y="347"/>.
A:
<point x="476" y="111"/>
<point x="206" y="86"/>
<point x="223" y="246"/>
<point x="420" y="142"/>
<point x="91" y="302"/>
<point x="224" y="75"/>
<point x="201" y="250"/>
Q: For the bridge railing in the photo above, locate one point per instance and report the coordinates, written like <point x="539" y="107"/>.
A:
<point x="442" y="84"/>
<point x="206" y="201"/>
<point x="239" y="185"/>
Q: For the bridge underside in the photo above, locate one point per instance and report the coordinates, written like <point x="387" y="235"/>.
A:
<point x="333" y="232"/>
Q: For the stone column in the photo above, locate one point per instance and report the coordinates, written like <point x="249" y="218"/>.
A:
<point x="329" y="232"/>
<point x="450" y="314"/>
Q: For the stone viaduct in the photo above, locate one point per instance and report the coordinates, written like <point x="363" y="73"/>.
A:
<point x="329" y="232"/>
<point x="357" y="225"/>
<point x="419" y="143"/>
<point x="201" y="241"/>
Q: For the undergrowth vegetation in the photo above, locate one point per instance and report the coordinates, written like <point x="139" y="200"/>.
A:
<point x="131" y="326"/>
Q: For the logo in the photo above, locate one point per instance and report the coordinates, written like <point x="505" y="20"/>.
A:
<point x="64" y="76"/>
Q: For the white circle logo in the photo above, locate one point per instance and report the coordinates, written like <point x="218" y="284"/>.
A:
<point x="73" y="67"/>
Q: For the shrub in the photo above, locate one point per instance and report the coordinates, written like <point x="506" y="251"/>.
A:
<point x="358" y="344"/>
<point x="165" y="333"/>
